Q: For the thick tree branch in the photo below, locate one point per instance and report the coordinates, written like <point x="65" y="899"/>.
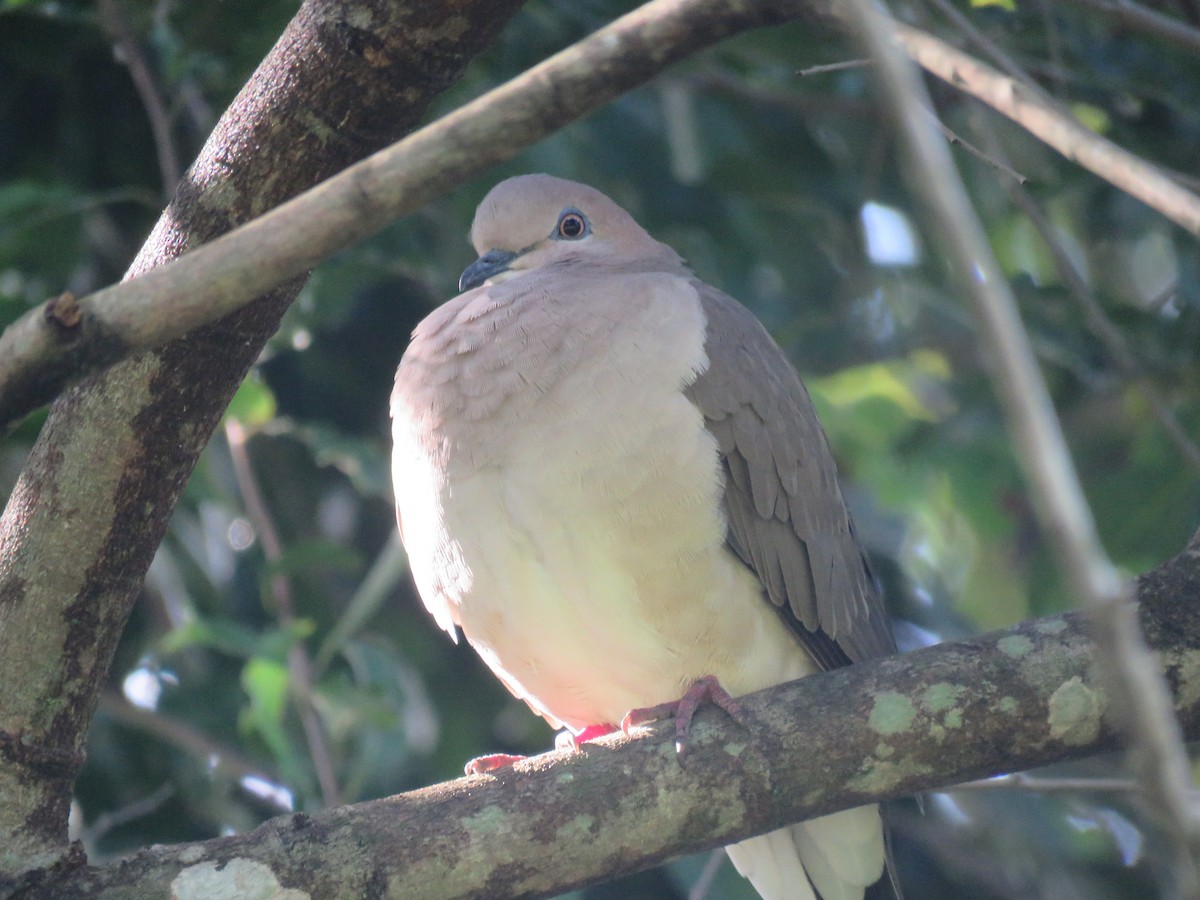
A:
<point x="82" y="524"/>
<point x="1126" y="667"/>
<point x="1010" y="700"/>
<point x="66" y="338"/>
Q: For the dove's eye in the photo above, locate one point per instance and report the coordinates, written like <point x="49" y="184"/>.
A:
<point x="572" y="225"/>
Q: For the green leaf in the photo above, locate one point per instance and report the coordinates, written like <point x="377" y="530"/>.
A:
<point x="266" y="683"/>
<point x="253" y="404"/>
<point x="1092" y="117"/>
<point x="223" y="635"/>
<point x="892" y="381"/>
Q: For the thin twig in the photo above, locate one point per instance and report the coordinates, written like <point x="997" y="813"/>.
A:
<point x="704" y="883"/>
<point x="1140" y="696"/>
<point x="1053" y="40"/>
<point x="1124" y="170"/>
<point x="1098" y="321"/>
<point x="1148" y="21"/>
<point x="373" y="591"/>
<point x="143" y="81"/>
<point x="130" y="812"/>
<point x="989" y="48"/>
<point x="803" y="103"/>
<point x="1022" y="781"/>
<point x="826" y="68"/>
<point x="988" y="159"/>
<point x="299" y="665"/>
<point x="184" y="736"/>
<point x="38" y="356"/>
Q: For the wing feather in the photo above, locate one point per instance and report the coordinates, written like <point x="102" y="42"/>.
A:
<point x="786" y="517"/>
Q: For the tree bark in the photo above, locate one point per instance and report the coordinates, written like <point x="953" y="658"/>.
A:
<point x="346" y="78"/>
<point x="1007" y="701"/>
<point x="65" y="337"/>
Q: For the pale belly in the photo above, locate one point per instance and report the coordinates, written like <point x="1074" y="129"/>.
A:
<point x="599" y="580"/>
<point x="562" y="505"/>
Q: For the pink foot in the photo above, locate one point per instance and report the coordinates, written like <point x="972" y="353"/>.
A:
<point x="481" y="765"/>
<point x="566" y="740"/>
<point x="707" y="688"/>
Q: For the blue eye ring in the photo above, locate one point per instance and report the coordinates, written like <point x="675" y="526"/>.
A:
<point x="572" y="226"/>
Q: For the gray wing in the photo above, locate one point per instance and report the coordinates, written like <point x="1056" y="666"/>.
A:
<point x="786" y="517"/>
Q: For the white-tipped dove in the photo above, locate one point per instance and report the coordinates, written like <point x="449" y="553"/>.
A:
<point x="611" y="479"/>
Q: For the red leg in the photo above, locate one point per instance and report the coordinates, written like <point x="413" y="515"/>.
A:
<point x="481" y="765"/>
<point x="566" y="740"/>
<point x="707" y="688"/>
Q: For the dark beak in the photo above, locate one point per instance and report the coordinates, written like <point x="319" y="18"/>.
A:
<point x="491" y="263"/>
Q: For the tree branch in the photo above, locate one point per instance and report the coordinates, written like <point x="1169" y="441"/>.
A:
<point x="1093" y="312"/>
<point x="65" y="338"/>
<point x="1148" y="21"/>
<point x="68" y="337"/>
<point x="1126" y="666"/>
<point x="147" y="89"/>
<point x="82" y="524"/>
<point x="1014" y="699"/>
<point x="1124" y="170"/>
<point x="299" y="663"/>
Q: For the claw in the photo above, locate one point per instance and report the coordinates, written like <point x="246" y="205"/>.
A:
<point x="707" y="688"/>
<point x="481" y="765"/>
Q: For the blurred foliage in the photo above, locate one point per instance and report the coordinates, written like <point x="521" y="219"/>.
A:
<point x="763" y="180"/>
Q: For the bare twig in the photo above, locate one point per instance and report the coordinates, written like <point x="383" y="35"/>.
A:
<point x="300" y="667"/>
<point x="802" y="103"/>
<point x="373" y="591"/>
<point x="1118" y="166"/>
<point x="988" y="159"/>
<point x="1139" y="693"/>
<point x="143" y="81"/>
<point x="826" y="68"/>
<point x="1148" y="21"/>
<point x="37" y="357"/>
<point x="988" y="47"/>
<point x="1022" y="781"/>
<point x="130" y="812"/>
<point x="182" y="735"/>
<point x="703" y="884"/>
<point x="1053" y="40"/>
<point x="1098" y="321"/>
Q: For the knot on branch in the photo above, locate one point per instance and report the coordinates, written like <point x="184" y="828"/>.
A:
<point x="63" y="314"/>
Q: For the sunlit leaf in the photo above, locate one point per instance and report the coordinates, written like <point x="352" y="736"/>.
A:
<point x="266" y="682"/>
<point x="1092" y="117"/>
<point x="253" y="404"/>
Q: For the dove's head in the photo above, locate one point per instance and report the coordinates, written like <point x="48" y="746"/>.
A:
<point x="532" y="221"/>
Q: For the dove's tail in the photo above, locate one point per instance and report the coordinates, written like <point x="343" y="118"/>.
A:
<point x="834" y="857"/>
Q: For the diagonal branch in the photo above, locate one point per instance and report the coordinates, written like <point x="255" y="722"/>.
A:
<point x="93" y="501"/>
<point x="1114" y="164"/>
<point x="1097" y="319"/>
<point x="1014" y="699"/>
<point x="1148" y="21"/>
<point x="67" y="337"/>
<point x="1127" y="668"/>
